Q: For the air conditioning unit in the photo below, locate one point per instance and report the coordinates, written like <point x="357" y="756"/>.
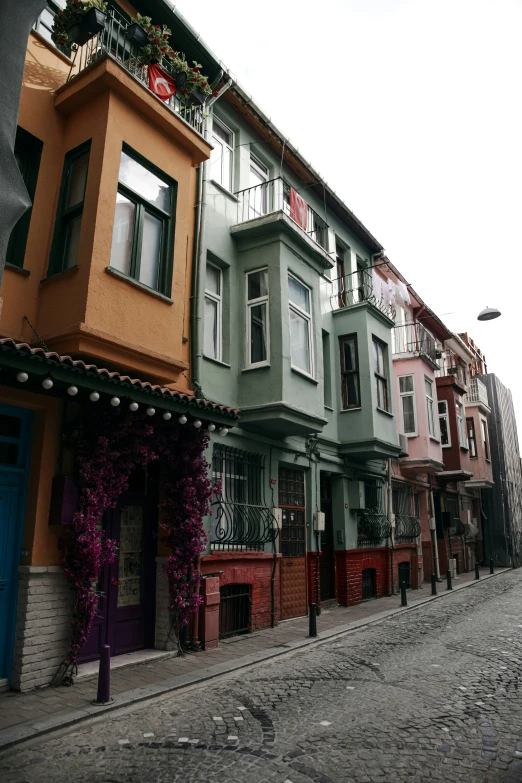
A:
<point x="319" y="521"/>
<point x="356" y="495"/>
<point x="277" y="521"/>
<point x="403" y="443"/>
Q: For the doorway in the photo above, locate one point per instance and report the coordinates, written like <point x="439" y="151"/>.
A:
<point x="125" y="617"/>
<point x="15" y="449"/>
<point x="293" y="543"/>
<point x="327" y="560"/>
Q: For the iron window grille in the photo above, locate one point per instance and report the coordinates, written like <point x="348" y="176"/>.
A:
<point x="241" y="518"/>
<point x="234" y="610"/>
<point x="373" y="525"/>
<point x="407" y="525"/>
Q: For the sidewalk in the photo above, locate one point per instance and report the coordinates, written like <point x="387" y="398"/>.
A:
<point x="27" y="715"/>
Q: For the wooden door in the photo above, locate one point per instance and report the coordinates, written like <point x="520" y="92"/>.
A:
<point x="327" y="560"/>
<point x="293" y="543"/>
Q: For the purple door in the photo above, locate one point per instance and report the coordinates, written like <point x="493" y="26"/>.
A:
<point x="125" y="617"/>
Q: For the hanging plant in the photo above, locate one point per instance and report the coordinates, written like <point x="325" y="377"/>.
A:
<point x="157" y="45"/>
<point x="110" y="451"/>
<point x="67" y="22"/>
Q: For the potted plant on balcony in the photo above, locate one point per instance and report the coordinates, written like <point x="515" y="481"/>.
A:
<point x="157" y="44"/>
<point x="79" y="22"/>
<point x="136" y="34"/>
<point x="197" y="87"/>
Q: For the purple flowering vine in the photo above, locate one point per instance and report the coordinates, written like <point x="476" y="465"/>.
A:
<point x="111" y="448"/>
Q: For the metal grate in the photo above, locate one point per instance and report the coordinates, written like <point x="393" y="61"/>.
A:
<point x="368" y="584"/>
<point x="241" y="517"/>
<point x="407" y="525"/>
<point x="373" y="525"/>
<point x="234" y="610"/>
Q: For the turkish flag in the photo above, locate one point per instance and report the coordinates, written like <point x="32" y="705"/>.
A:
<point x="298" y="209"/>
<point x="161" y="83"/>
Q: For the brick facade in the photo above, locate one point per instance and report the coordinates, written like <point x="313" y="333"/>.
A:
<point x="349" y="565"/>
<point x="314" y="596"/>
<point x="43" y="627"/>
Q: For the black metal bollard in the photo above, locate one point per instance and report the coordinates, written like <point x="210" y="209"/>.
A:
<point x="434" y="584"/>
<point x="312" y="620"/>
<point x="448" y="577"/>
<point x="104" y="676"/>
<point x="491" y="569"/>
<point x="404" y="600"/>
<point x="477" y="572"/>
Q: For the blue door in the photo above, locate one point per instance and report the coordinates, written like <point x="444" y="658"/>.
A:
<point x="15" y="439"/>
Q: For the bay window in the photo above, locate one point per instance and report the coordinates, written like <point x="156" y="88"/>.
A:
<point x="407" y="404"/>
<point x="142" y="241"/>
<point x="213" y="312"/>
<point x="380" y="353"/>
<point x="258" y="349"/>
<point x="350" y="386"/>
<point x="222" y="156"/>
<point x="445" y="437"/>
<point x="258" y="193"/>
<point x="301" y="353"/>
<point x="428" y="385"/>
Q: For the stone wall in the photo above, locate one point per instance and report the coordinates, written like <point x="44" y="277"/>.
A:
<point x="164" y="636"/>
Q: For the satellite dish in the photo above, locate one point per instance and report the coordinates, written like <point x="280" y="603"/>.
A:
<point x="488" y="314"/>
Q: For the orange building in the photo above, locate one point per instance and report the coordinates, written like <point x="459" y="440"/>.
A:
<point x="96" y="314"/>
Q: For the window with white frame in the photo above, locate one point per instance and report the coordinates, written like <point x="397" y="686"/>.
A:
<point x="445" y="437"/>
<point x="428" y="385"/>
<point x="472" y="440"/>
<point x="301" y="352"/>
<point x="485" y="438"/>
<point x="407" y="404"/>
<point x="258" y="192"/>
<point x="222" y="156"/>
<point x="461" y="425"/>
<point x="213" y="312"/>
<point x="380" y="353"/>
<point x="258" y="348"/>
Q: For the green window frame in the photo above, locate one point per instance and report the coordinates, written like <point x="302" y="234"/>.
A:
<point x="140" y="216"/>
<point x="67" y="227"/>
<point x="28" y="152"/>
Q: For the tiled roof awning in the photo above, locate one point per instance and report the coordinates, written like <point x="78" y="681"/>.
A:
<point x="66" y="371"/>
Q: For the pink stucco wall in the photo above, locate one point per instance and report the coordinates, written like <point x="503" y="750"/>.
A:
<point x="421" y="446"/>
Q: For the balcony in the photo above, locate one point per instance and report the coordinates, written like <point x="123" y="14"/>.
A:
<point x="272" y="197"/>
<point x="415" y="340"/>
<point x="477" y="395"/>
<point x="112" y="41"/>
<point x="353" y="289"/>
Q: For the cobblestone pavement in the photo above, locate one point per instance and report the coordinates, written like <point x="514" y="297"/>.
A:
<point x="431" y="695"/>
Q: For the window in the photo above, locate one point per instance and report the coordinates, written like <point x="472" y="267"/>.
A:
<point x="485" y="439"/>
<point x="428" y="385"/>
<point x="142" y="237"/>
<point x="66" y="242"/>
<point x="222" y="157"/>
<point x="461" y="429"/>
<point x="327" y="371"/>
<point x="407" y="400"/>
<point x="27" y="152"/>
<point x="300" y="326"/>
<point x="380" y="351"/>
<point x="213" y="299"/>
<point x="258" y="194"/>
<point x="44" y="23"/>
<point x="293" y="530"/>
<point x="362" y="282"/>
<point x="257" y="318"/>
<point x="445" y="438"/>
<point x="471" y="438"/>
<point x="340" y="274"/>
<point x="350" y="385"/>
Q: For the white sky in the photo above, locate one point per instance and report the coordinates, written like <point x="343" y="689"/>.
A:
<point x="411" y="110"/>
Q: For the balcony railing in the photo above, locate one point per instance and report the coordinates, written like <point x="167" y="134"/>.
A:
<point x="407" y="528"/>
<point x="274" y="196"/>
<point x="112" y="40"/>
<point x="241" y="526"/>
<point x="477" y="393"/>
<point x="350" y="290"/>
<point x="415" y="338"/>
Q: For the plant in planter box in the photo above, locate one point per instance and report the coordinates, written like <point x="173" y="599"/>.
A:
<point x="78" y="22"/>
<point x="157" y="45"/>
<point x="197" y="87"/>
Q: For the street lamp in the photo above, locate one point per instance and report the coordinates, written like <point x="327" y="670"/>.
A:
<point x="488" y="314"/>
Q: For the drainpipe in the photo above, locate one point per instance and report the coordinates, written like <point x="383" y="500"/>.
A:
<point x="199" y="225"/>
<point x="390" y="517"/>
<point x="433" y="532"/>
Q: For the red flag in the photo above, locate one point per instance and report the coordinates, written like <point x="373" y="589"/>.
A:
<point x="298" y="209"/>
<point x="161" y="83"/>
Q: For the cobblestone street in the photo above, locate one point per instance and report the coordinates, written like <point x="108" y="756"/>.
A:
<point x="430" y="695"/>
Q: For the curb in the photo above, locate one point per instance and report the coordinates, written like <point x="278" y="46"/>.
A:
<point x="32" y="730"/>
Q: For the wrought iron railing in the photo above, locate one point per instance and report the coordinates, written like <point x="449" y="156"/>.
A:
<point x="415" y="338"/>
<point x="112" y="41"/>
<point x="372" y="528"/>
<point x="477" y="392"/>
<point x="357" y="287"/>
<point x="274" y="196"/>
<point x="407" y="528"/>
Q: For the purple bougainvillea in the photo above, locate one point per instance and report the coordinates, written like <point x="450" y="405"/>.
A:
<point x="111" y="449"/>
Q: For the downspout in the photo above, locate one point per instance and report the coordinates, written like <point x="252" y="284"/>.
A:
<point x="197" y="252"/>
<point x="433" y="532"/>
<point x="391" y="520"/>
